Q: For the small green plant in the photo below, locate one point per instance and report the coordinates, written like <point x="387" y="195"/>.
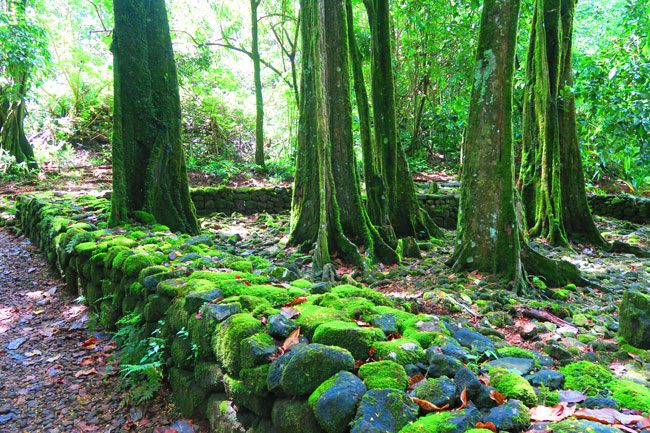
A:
<point x="141" y="359"/>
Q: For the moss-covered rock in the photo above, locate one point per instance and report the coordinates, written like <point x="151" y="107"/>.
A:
<point x="384" y="410"/>
<point x="181" y="351"/>
<point x="209" y="375"/>
<point x="631" y="395"/>
<point x="445" y="422"/>
<point x="513" y="386"/>
<point x="634" y="319"/>
<point x="512" y="416"/>
<point x="401" y="350"/>
<point x="256" y="350"/>
<point x="312" y="316"/>
<point x="245" y="396"/>
<point x="384" y="374"/>
<point x="226" y="341"/>
<point x="586" y="377"/>
<point x="222" y="416"/>
<point x="134" y="264"/>
<point x="441" y="391"/>
<point x="348" y="335"/>
<point x="348" y="291"/>
<point x="255" y="378"/>
<point x="294" y="416"/>
<point x="311" y="366"/>
<point x="581" y="425"/>
<point x="334" y="402"/>
<point x="189" y="397"/>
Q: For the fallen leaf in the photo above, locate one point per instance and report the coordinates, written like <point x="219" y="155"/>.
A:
<point x="484" y="379"/>
<point x="498" y="397"/>
<point x="299" y="300"/>
<point x="90" y="343"/>
<point x="85" y="372"/>
<point x="608" y="416"/>
<point x="463" y="399"/>
<point x="487" y="425"/>
<point x="553" y="413"/>
<point x="292" y="339"/>
<point x="427" y="406"/>
<point x="289" y="312"/>
<point x="415" y="379"/>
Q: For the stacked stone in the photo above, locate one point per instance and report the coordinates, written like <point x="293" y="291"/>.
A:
<point x="243" y="200"/>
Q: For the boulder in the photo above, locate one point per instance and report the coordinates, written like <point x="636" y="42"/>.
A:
<point x="441" y="391"/>
<point x="334" y="402"/>
<point x="512" y="416"/>
<point x="549" y="378"/>
<point x="384" y="411"/>
<point x="384" y="374"/>
<point x="445" y="422"/>
<point x="634" y="319"/>
<point x="520" y="366"/>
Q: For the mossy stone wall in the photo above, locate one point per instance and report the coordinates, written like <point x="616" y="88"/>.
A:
<point x="443" y="208"/>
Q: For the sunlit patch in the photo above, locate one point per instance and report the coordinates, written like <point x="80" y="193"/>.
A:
<point x="74" y="311"/>
<point x="8" y="316"/>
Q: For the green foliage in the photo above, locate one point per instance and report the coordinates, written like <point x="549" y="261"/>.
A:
<point x="141" y="359"/>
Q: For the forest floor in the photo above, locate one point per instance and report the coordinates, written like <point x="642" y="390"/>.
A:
<point x="57" y="376"/>
<point x="54" y="370"/>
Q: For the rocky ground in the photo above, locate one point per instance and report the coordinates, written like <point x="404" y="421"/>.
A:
<point x="56" y="375"/>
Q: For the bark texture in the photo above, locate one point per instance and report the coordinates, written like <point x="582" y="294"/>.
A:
<point x="406" y="216"/>
<point x="552" y="177"/>
<point x="257" y="76"/>
<point x="488" y="233"/>
<point x="12" y="103"/>
<point x="149" y="172"/>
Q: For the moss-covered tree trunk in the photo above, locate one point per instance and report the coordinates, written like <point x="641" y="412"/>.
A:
<point x="540" y="180"/>
<point x="406" y="215"/>
<point x="376" y="189"/>
<point x="149" y="171"/>
<point x="576" y="215"/>
<point x="488" y="235"/>
<point x="257" y="75"/>
<point x="12" y="101"/>
<point x="491" y="235"/>
<point x="326" y="178"/>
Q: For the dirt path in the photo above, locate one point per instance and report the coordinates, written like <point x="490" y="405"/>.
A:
<point x="53" y="375"/>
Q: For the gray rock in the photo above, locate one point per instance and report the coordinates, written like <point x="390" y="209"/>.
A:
<point x="441" y="365"/>
<point x="548" y="378"/>
<point x="280" y="327"/>
<point x="441" y="391"/>
<point x="517" y="365"/>
<point x="384" y="411"/>
<point x="335" y="407"/>
<point x="512" y="416"/>
<point x="634" y="319"/>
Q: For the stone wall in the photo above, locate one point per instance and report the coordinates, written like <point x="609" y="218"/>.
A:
<point x="243" y="200"/>
<point x="443" y="208"/>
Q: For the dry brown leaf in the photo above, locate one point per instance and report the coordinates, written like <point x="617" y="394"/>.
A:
<point x="299" y="300"/>
<point x="292" y="339"/>
<point x="608" y="416"/>
<point x="463" y="399"/>
<point x="415" y="379"/>
<point x="553" y="413"/>
<point x="85" y="372"/>
<point x="498" y="397"/>
<point x="487" y="425"/>
<point x="427" y="406"/>
<point x="484" y="379"/>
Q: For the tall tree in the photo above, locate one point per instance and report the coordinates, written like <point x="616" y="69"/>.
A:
<point x="376" y="189"/>
<point x="23" y="47"/>
<point x="257" y="74"/>
<point x="490" y="234"/>
<point x="149" y="171"/>
<point x="551" y="177"/>
<point x="406" y="215"/>
<point x="326" y="178"/>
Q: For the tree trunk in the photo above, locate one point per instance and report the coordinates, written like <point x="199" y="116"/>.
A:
<point x="488" y="235"/>
<point x="259" y="98"/>
<point x="406" y="216"/>
<point x="326" y="178"/>
<point x="12" y="110"/>
<point x="491" y="235"/>
<point x="576" y="215"/>
<point x="540" y="167"/>
<point x="377" y="200"/>
<point x="149" y="171"/>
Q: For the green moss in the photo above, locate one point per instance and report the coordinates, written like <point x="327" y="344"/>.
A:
<point x="348" y="291"/>
<point x="515" y="352"/>
<point x="631" y="395"/>
<point x="144" y="217"/>
<point x="189" y="397"/>
<point x="241" y="266"/>
<point x="420" y="328"/>
<point x="135" y="263"/>
<point x="226" y="341"/>
<point x="402" y="350"/>
<point x="255" y="378"/>
<point x="312" y="316"/>
<point x="354" y="307"/>
<point x="513" y="386"/>
<point x="348" y="335"/>
<point x="218" y="277"/>
<point x="384" y="374"/>
<point x="560" y="294"/>
<point x="244" y="395"/>
<point x="256" y="350"/>
<point x="301" y="283"/>
<point x="294" y="416"/>
<point x="586" y="377"/>
<point x="402" y="316"/>
<point x="438" y="422"/>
